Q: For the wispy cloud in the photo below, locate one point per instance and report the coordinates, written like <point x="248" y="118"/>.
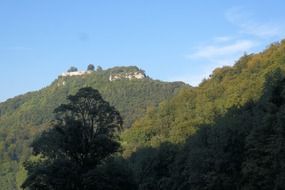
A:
<point x="221" y="50"/>
<point x="216" y="55"/>
<point x="224" y="50"/>
<point x="248" y="25"/>
<point x="221" y="39"/>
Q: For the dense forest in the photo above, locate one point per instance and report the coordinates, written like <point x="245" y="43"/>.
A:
<point x="241" y="149"/>
<point x="177" y="118"/>
<point x="25" y="116"/>
<point x="227" y="133"/>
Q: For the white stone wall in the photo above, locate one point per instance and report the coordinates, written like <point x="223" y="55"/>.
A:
<point x="76" y="73"/>
<point x="130" y="76"/>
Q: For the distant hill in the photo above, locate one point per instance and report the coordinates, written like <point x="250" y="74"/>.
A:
<point x="21" y="118"/>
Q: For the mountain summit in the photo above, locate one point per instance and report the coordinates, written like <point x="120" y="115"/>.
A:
<point x="128" y="89"/>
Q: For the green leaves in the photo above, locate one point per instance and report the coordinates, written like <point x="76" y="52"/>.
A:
<point x="22" y="118"/>
<point x="83" y="136"/>
<point x="230" y="129"/>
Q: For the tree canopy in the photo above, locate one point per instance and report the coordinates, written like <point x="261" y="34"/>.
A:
<point x="242" y="149"/>
<point x="72" y="69"/>
<point x="227" y="133"/>
<point x="90" y="67"/>
<point x="83" y="136"/>
<point x="22" y="118"/>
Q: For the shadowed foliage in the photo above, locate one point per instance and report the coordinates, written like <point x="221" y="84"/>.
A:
<point x="24" y="117"/>
<point x="82" y="138"/>
<point x="242" y="149"/>
<point x="227" y="133"/>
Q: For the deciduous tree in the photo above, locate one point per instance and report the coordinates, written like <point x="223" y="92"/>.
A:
<point x="83" y="136"/>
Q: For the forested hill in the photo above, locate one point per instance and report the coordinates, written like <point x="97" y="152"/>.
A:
<point x="129" y="95"/>
<point x="128" y="89"/>
<point x="180" y="116"/>
<point x="228" y="133"/>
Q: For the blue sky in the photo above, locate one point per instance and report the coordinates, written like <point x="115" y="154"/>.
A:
<point x="170" y="39"/>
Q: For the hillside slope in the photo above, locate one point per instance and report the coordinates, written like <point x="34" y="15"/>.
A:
<point x="22" y="117"/>
<point x="179" y="117"/>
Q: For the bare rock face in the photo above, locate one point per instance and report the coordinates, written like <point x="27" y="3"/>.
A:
<point x="127" y="75"/>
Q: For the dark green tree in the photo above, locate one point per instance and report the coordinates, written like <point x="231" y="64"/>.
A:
<point x="72" y="69"/>
<point x="152" y="166"/>
<point x="99" y="68"/>
<point x="264" y="166"/>
<point x="114" y="174"/>
<point x="90" y="67"/>
<point x="83" y="136"/>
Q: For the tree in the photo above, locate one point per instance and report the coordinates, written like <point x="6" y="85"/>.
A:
<point x="264" y="166"/>
<point x="99" y="68"/>
<point x="83" y="136"/>
<point x="72" y="69"/>
<point x="115" y="174"/>
<point x="90" y="67"/>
